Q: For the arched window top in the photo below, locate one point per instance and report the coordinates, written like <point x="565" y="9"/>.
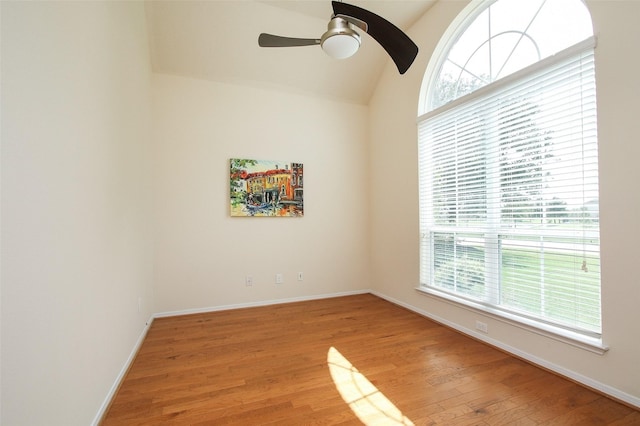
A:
<point x="498" y="38"/>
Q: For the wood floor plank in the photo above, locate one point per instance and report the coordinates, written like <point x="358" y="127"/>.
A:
<point x="271" y="365"/>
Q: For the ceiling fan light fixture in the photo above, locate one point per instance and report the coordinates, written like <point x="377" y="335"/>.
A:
<point x="340" y="41"/>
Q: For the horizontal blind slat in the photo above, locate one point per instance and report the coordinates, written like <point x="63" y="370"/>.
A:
<point x="511" y="174"/>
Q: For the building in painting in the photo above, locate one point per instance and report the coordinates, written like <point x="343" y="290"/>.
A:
<point x="275" y="186"/>
<point x="297" y="174"/>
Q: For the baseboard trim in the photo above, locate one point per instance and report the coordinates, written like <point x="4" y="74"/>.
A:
<point x="123" y="372"/>
<point x="258" y="303"/>
<point x="597" y="386"/>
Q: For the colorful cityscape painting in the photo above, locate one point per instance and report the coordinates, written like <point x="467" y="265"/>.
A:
<point x="266" y="188"/>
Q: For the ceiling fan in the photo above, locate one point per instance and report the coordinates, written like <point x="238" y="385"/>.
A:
<point x="341" y="39"/>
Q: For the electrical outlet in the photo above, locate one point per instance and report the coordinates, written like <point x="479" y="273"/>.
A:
<point x="482" y="326"/>
<point x="279" y="279"/>
<point x="300" y="276"/>
<point x="248" y="280"/>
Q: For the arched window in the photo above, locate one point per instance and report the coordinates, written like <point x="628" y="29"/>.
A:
<point x="508" y="166"/>
<point x="502" y="38"/>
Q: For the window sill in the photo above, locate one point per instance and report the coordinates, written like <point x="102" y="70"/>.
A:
<point x="590" y="344"/>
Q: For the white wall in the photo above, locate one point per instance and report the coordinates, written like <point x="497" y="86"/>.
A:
<point x="202" y="254"/>
<point x="76" y="234"/>
<point x="394" y="231"/>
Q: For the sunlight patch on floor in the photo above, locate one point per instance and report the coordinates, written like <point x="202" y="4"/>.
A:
<point x="365" y="400"/>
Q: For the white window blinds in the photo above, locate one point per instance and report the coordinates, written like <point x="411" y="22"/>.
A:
<point x="509" y="195"/>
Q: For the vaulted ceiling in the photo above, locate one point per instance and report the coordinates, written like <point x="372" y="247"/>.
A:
<point x="218" y="41"/>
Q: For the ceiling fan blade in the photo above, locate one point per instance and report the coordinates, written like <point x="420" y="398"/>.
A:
<point x="270" y="40"/>
<point x="398" y="45"/>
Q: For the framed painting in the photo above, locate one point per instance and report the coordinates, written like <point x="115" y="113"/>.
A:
<point x="266" y="188"/>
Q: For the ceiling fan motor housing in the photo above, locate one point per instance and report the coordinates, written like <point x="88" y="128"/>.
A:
<point x="340" y="41"/>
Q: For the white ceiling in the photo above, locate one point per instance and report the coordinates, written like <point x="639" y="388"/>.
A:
<point x="218" y="40"/>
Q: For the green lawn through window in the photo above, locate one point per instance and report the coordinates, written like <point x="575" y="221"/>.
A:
<point x="560" y="292"/>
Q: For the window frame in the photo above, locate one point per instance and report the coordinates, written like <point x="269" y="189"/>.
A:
<point x="591" y="342"/>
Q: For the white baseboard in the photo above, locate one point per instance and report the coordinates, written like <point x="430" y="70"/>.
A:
<point x="123" y="371"/>
<point x="259" y="303"/>
<point x="584" y="380"/>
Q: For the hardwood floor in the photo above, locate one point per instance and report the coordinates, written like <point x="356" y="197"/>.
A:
<point x="289" y="365"/>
